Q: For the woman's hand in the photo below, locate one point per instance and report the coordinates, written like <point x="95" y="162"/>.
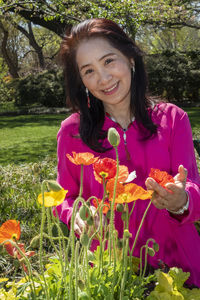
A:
<point x="174" y="196"/>
<point x="79" y="224"/>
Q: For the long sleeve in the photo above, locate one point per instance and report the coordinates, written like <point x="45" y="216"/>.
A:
<point x="182" y="152"/>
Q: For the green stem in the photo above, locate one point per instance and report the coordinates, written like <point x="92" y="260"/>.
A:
<point x="87" y="271"/>
<point x="146" y="252"/>
<point x="41" y="240"/>
<point x="141" y="249"/>
<point x="76" y="269"/>
<point x="139" y="228"/>
<point x="125" y="269"/>
<point x="111" y="226"/>
<point x="81" y="182"/>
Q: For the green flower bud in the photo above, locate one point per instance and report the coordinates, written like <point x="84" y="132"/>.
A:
<point x="35" y="242"/>
<point x="127" y="234"/>
<point x="156" y="246"/>
<point x="120" y="244"/>
<point x="123" y="216"/>
<point x="84" y="212"/>
<point x="151" y="251"/>
<point x="120" y="207"/>
<point x="90" y="221"/>
<point x="54" y="185"/>
<point x="107" y="235"/>
<point x="81" y="284"/>
<point x="108" y="215"/>
<point x="113" y="137"/>
<point x="91" y="256"/>
<point x="84" y="239"/>
<point x="83" y="296"/>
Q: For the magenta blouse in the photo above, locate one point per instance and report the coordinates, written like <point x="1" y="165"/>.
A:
<point x="177" y="236"/>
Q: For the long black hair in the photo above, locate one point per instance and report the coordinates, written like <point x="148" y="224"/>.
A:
<point x="92" y="119"/>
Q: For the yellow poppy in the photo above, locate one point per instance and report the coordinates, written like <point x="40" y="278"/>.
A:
<point x="52" y="198"/>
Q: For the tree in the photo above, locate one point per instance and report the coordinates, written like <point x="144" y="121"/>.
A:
<point x="59" y="16"/>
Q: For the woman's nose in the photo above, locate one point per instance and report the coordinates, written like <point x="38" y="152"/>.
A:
<point x="104" y="77"/>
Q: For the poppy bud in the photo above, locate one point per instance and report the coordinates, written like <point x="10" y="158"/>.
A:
<point x="84" y="239"/>
<point x="90" y="220"/>
<point x="84" y="212"/>
<point x="120" y="244"/>
<point x="54" y="185"/>
<point x="83" y="296"/>
<point x="91" y="256"/>
<point x="127" y="234"/>
<point x="113" y="137"/>
<point x="35" y="241"/>
<point x="156" y="246"/>
<point x="108" y="215"/>
<point x="81" y="284"/>
<point x="123" y="216"/>
<point x="120" y="207"/>
<point x="151" y="251"/>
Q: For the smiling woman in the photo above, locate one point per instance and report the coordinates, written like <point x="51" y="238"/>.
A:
<point x="106" y="84"/>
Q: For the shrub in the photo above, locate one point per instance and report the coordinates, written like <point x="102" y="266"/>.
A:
<point x="174" y="75"/>
<point x="44" y="88"/>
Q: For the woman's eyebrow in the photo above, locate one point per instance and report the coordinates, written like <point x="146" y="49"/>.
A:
<point x="104" y="56"/>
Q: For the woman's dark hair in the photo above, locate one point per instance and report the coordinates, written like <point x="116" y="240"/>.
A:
<point x="92" y="119"/>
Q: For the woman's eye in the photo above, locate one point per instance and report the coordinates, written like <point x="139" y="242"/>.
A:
<point x="88" y="71"/>
<point x="108" y="60"/>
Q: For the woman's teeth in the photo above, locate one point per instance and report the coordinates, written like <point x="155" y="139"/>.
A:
<point x="110" y="89"/>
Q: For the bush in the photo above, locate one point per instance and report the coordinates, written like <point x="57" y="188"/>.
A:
<point x="174" y="75"/>
<point x="44" y="88"/>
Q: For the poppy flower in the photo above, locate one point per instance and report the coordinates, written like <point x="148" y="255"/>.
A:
<point x="84" y="158"/>
<point x="14" y="252"/>
<point x="161" y="177"/>
<point x="106" y="206"/>
<point x="10" y="230"/>
<point x="52" y="198"/>
<point x="104" y="168"/>
<point x="128" y="193"/>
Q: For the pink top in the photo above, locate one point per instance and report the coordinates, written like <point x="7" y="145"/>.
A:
<point x="177" y="236"/>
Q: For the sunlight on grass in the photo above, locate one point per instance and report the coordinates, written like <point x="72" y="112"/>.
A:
<point x="28" y="138"/>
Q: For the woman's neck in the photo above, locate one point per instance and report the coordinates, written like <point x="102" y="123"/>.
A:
<point x="123" y="115"/>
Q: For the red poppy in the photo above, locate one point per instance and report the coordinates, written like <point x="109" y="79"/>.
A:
<point x="10" y="230"/>
<point x="104" y="168"/>
<point x="161" y="177"/>
<point x="14" y="252"/>
<point x="84" y="158"/>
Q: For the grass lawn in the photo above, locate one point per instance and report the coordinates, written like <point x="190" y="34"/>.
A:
<point x="28" y="138"/>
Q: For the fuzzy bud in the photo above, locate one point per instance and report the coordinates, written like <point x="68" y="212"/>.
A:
<point x="84" y="212"/>
<point x="35" y="242"/>
<point x="90" y="220"/>
<point x="113" y="137"/>
<point x="84" y="239"/>
<point x="54" y="185"/>
<point x="156" y="246"/>
<point x="120" y="244"/>
<point x="120" y="207"/>
<point x="123" y="216"/>
<point x="151" y="251"/>
<point x="81" y="284"/>
<point x="127" y="234"/>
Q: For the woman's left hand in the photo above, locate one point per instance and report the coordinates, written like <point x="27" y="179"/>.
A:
<point x="174" y="196"/>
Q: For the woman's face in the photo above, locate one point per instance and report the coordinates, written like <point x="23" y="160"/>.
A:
<point x="105" y="71"/>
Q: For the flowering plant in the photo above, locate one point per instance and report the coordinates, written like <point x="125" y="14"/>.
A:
<point x="74" y="271"/>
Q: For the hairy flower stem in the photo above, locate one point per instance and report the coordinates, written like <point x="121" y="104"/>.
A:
<point x="139" y="228"/>
<point x="81" y="182"/>
<point x="76" y="269"/>
<point x="141" y="250"/>
<point x="30" y="275"/>
<point x="87" y="271"/>
<point x="72" y="243"/>
<point x="101" y="241"/>
<point x="111" y="227"/>
<point x="41" y="240"/>
<point x="146" y="252"/>
<point x="125" y="253"/>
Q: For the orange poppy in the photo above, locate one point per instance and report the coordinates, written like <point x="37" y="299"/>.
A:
<point x="10" y="230"/>
<point x="82" y="158"/>
<point x="106" y="206"/>
<point x="128" y="193"/>
<point x="104" y="168"/>
<point x="161" y="177"/>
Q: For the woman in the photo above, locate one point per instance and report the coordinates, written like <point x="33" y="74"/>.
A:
<point x="106" y="86"/>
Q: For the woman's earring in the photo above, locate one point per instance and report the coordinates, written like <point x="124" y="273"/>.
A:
<point x="88" y="97"/>
<point x="133" y="69"/>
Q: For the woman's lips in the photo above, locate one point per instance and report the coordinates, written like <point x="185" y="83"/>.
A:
<point x="111" y="89"/>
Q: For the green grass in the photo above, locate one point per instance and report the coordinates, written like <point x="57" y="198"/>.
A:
<point x="194" y="116"/>
<point x="29" y="138"/>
